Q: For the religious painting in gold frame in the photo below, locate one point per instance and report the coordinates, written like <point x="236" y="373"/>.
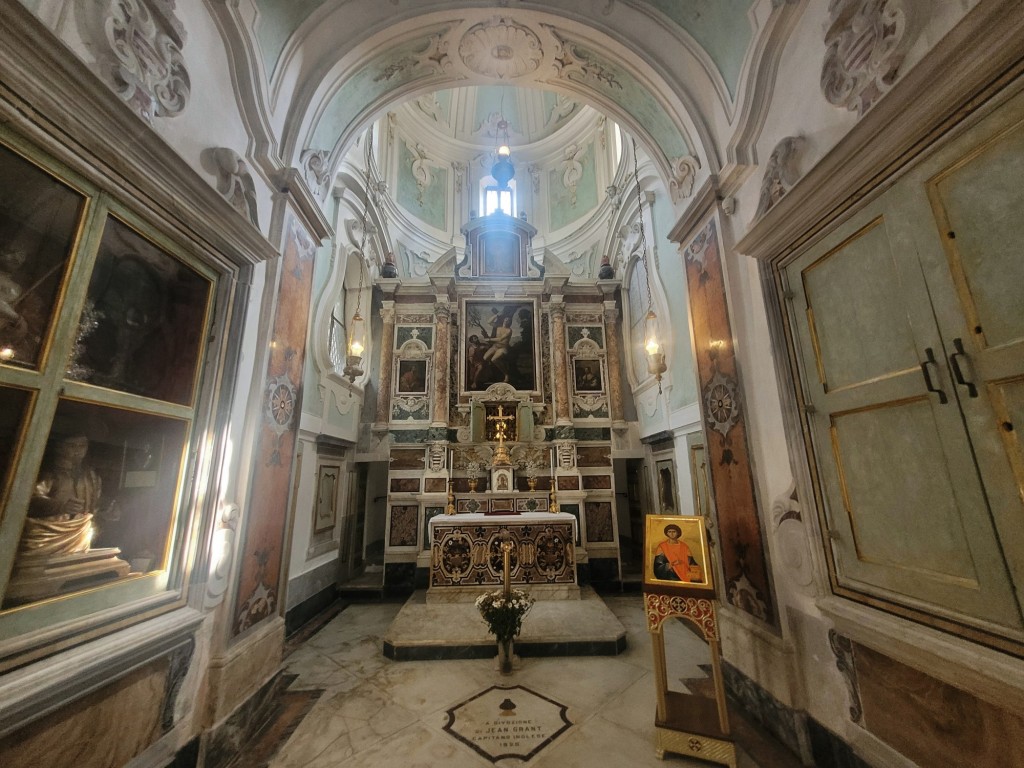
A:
<point x="676" y="553"/>
<point x="499" y="344"/>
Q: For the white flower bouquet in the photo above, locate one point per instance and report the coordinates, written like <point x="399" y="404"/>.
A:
<point x="504" y="616"/>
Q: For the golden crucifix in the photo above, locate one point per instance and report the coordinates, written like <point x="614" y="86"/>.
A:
<point x="500" y="429"/>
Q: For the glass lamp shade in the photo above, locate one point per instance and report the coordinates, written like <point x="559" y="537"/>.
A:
<point x="652" y="346"/>
<point x="356" y="345"/>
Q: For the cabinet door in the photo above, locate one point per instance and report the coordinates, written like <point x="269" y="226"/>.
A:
<point x="904" y="504"/>
<point x="965" y="211"/>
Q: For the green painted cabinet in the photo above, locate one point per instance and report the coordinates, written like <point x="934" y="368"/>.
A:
<point x="908" y="326"/>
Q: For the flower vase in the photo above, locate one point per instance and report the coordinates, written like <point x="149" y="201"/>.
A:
<point x="505" y="654"/>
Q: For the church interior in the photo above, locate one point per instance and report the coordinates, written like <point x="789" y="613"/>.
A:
<point x="322" y="320"/>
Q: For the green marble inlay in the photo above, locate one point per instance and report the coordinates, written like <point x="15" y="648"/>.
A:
<point x="594" y="332"/>
<point x="276" y="23"/>
<point x="428" y="204"/>
<point x="721" y="27"/>
<point x="409" y="436"/>
<point x="424" y="333"/>
<point x="565" y="204"/>
<point x="593" y="433"/>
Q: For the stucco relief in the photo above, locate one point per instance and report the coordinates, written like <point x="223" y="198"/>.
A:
<point x="147" y="69"/>
<point x="234" y="182"/>
<point x="780" y="173"/>
<point x="791" y="538"/>
<point x="684" y="174"/>
<point x="573" y="63"/>
<point x="865" y="41"/>
<point x="315" y="171"/>
<point x="572" y="169"/>
<point x="501" y="48"/>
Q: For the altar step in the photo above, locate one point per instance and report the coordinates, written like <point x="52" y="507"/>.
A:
<point x="430" y="631"/>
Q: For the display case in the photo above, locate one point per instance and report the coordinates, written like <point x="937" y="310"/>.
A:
<point x="105" y="328"/>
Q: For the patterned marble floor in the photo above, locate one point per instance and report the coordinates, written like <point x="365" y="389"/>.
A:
<point x="377" y="713"/>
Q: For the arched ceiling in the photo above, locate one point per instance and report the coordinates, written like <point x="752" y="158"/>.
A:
<point x="669" y="72"/>
<point x="470" y="115"/>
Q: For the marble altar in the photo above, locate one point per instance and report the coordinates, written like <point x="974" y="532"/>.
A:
<point x="466" y="554"/>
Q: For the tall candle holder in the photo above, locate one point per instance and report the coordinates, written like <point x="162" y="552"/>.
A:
<point x="450" y="509"/>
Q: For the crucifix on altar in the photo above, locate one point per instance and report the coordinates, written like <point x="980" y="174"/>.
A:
<point x="501" y="466"/>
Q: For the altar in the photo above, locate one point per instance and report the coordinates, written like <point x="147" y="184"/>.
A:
<point x="466" y="555"/>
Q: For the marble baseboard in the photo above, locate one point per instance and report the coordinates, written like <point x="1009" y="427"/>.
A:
<point x="795" y="729"/>
<point x="298" y="615"/>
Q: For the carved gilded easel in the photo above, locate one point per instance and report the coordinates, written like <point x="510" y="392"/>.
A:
<point x="687" y="724"/>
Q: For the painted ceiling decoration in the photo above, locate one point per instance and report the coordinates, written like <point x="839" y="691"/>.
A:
<point x="498" y="50"/>
<point x="722" y="28"/>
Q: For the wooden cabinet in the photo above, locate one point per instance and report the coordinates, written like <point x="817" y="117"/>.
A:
<point x="908" y="326"/>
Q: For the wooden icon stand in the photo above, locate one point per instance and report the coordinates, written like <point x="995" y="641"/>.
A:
<point x="690" y="725"/>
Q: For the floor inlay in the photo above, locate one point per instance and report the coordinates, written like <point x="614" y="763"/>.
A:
<point x="507" y="722"/>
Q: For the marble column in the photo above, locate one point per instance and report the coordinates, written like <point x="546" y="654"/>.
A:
<point x="613" y="351"/>
<point x="387" y="363"/>
<point x="442" y="362"/>
<point x="561" y="369"/>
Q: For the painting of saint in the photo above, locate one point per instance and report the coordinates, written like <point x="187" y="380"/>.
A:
<point x="676" y="552"/>
<point x="498" y="345"/>
<point x="412" y="377"/>
<point x="588" y="375"/>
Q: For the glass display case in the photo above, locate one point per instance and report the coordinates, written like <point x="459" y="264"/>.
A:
<point x="104" y="327"/>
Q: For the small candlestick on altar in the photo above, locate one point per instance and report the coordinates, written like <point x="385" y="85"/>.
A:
<point x="450" y="509"/>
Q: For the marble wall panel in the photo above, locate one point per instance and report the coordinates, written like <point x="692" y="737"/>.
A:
<point x="597" y="482"/>
<point x="599" y="521"/>
<point x="403" y="525"/>
<point x="931" y="722"/>
<point x="106" y="728"/>
<point x="408" y="458"/>
<point x="261" y="557"/>
<point x="747" y="584"/>
<point x="594" y="455"/>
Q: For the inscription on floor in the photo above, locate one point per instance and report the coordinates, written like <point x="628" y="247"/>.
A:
<point x="502" y="722"/>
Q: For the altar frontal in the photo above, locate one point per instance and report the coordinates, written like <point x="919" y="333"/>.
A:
<point x="466" y="550"/>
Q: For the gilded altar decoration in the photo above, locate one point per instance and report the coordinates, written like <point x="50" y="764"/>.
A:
<point x="470" y="554"/>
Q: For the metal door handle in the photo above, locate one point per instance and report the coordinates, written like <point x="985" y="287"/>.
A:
<point x="958" y="345"/>
<point x="927" y="377"/>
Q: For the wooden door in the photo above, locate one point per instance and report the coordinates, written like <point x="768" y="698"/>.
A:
<point x="964" y="209"/>
<point x="905" y="508"/>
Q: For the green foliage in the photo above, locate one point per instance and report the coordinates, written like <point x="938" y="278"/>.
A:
<point x="504" y="617"/>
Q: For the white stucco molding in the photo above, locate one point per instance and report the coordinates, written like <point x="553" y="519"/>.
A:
<point x="919" y="109"/>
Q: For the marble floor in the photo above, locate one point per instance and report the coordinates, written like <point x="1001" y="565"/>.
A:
<point x="378" y="713"/>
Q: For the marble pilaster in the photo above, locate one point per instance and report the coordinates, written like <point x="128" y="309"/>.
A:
<point x="387" y="355"/>
<point x="562" y="414"/>
<point x="442" y="362"/>
<point x="613" y="334"/>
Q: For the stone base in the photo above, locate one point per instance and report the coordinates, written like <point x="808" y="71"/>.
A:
<point x="37" y="577"/>
<point x="470" y="594"/>
<point x="581" y="627"/>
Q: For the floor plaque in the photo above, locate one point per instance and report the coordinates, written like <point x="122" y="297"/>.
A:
<point x="501" y="722"/>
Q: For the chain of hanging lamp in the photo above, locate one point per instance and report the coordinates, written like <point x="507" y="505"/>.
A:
<point x="655" y="358"/>
<point x="354" y="361"/>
